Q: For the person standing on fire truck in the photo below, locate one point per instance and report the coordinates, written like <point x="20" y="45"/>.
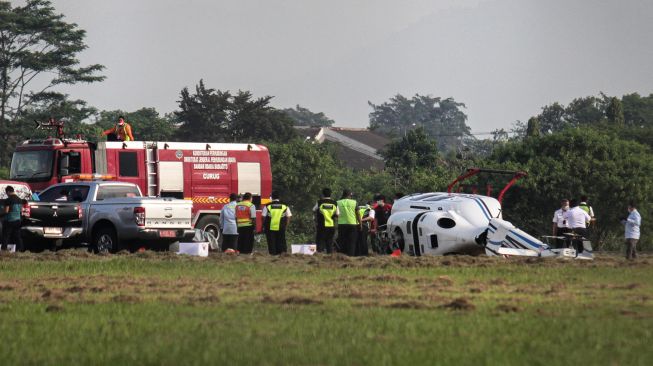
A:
<point x="122" y="130"/>
<point x="277" y="217"/>
<point x="245" y="219"/>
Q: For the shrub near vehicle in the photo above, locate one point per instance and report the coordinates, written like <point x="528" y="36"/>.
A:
<point x="108" y="215"/>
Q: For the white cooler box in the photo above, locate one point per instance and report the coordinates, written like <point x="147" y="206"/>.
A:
<point x="194" y="248"/>
<point x="308" y="249"/>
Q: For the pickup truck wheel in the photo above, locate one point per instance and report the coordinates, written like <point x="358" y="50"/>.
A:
<point x="105" y="240"/>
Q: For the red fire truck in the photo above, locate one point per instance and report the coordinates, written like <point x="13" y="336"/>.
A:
<point x="205" y="173"/>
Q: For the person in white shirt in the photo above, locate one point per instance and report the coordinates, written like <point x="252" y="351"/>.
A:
<point x="577" y="220"/>
<point x="560" y="223"/>
<point x="632" y="224"/>
<point x="228" y="224"/>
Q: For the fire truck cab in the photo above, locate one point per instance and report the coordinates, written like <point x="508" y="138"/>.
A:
<point x="205" y="173"/>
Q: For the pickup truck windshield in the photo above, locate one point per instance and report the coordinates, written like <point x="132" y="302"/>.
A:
<point x="31" y="166"/>
<point x="69" y="193"/>
<point x="116" y="191"/>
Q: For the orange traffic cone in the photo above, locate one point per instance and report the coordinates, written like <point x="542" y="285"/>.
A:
<point x="396" y="253"/>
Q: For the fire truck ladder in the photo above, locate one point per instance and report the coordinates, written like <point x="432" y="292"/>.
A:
<point x="151" y="163"/>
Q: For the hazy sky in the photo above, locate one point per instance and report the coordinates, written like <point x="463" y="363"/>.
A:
<point x="504" y="59"/>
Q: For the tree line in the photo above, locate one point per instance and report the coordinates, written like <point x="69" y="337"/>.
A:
<point x="598" y="146"/>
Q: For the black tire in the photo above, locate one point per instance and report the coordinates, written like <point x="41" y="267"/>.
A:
<point x="105" y="240"/>
<point x="211" y="224"/>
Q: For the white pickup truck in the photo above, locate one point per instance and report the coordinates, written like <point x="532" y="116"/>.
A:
<point x="110" y="216"/>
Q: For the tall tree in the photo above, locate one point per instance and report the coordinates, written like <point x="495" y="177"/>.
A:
<point x="533" y="128"/>
<point x="415" y="150"/>
<point x="552" y="118"/>
<point x="38" y="51"/>
<point x="75" y="113"/>
<point x="638" y="110"/>
<point x="586" y="110"/>
<point x="615" y="112"/>
<point x="218" y="116"/>
<point x="442" y="119"/>
<point x="304" y="117"/>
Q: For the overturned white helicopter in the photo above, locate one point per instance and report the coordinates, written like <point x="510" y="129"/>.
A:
<point x="442" y="223"/>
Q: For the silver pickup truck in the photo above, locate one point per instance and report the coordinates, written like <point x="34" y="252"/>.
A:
<point x="109" y="216"/>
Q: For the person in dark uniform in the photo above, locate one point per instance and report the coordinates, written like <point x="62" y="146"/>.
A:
<point x="12" y="219"/>
<point x="326" y="213"/>
<point x="277" y="217"/>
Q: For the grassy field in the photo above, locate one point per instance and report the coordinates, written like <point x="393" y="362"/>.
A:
<point x="159" y="308"/>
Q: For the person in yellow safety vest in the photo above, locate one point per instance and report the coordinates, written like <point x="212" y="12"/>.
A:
<point x="367" y="220"/>
<point x="349" y="222"/>
<point x="246" y="220"/>
<point x="326" y="213"/>
<point x="122" y="130"/>
<point x="277" y="218"/>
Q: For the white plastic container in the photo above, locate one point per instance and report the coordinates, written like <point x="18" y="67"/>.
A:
<point x="307" y="249"/>
<point x="200" y="249"/>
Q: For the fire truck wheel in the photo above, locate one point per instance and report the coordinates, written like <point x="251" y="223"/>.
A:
<point x="105" y="240"/>
<point x="209" y="223"/>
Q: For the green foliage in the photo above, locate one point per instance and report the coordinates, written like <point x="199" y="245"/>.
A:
<point x="610" y="170"/>
<point x="638" y="110"/>
<point x="4" y="172"/>
<point x="414" y="162"/>
<point x="587" y="110"/>
<point x="415" y="150"/>
<point x="632" y="110"/>
<point x="304" y="117"/>
<point x="38" y="49"/>
<point x="75" y="113"/>
<point x="643" y="134"/>
<point x="533" y="128"/>
<point x="146" y="123"/>
<point x="440" y="118"/>
<point x="218" y="116"/>
<point x="301" y="169"/>
<point x="615" y="112"/>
